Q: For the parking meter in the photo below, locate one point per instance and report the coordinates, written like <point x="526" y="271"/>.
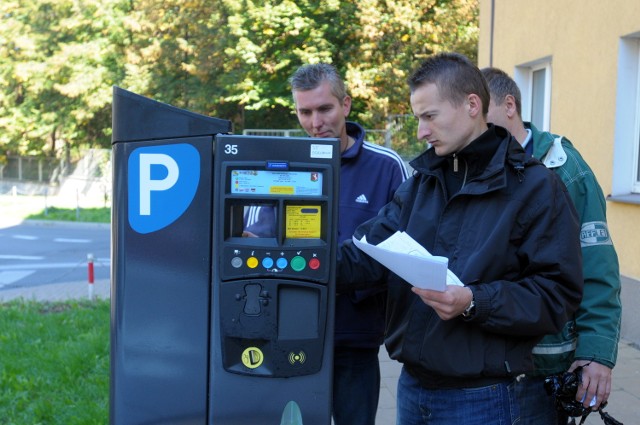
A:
<point x="274" y="259"/>
<point x="161" y="261"/>
<point x="222" y="285"/>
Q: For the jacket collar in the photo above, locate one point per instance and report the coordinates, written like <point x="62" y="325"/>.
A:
<point x="547" y="147"/>
<point x="356" y="131"/>
<point x="504" y="151"/>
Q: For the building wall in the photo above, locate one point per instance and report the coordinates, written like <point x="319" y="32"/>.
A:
<point x="582" y="38"/>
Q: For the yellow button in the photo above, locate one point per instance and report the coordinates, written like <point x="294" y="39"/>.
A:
<point x="252" y="262"/>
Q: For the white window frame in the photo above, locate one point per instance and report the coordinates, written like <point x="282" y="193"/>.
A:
<point x="523" y="75"/>
<point x="636" y="134"/>
<point x="626" y="153"/>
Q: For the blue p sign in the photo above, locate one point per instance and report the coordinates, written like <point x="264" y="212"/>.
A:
<point x="162" y="182"/>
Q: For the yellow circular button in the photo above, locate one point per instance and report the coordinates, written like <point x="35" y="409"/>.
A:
<point x="252" y="357"/>
<point x="252" y="262"/>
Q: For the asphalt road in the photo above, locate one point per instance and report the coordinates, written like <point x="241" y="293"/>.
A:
<point x="42" y="253"/>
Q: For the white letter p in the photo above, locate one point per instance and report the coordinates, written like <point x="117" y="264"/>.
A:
<point x="147" y="184"/>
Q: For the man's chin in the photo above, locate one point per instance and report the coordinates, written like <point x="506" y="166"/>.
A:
<point x="441" y="151"/>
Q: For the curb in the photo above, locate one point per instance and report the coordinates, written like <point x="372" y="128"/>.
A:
<point x="58" y="291"/>
<point x="59" y="223"/>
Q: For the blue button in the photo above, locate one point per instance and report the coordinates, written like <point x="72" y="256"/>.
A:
<point x="282" y="262"/>
<point x="267" y="262"/>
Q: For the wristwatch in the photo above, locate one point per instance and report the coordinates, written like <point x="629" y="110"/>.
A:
<point x="469" y="311"/>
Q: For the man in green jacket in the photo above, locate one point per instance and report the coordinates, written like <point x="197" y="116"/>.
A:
<point x="591" y="338"/>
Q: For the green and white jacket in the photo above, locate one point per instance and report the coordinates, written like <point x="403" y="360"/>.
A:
<point x="594" y="332"/>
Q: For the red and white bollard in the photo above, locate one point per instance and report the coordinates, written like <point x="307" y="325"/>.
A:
<point x="90" y="275"/>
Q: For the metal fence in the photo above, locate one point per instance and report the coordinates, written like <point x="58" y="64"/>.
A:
<point x="399" y="135"/>
<point x="31" y="169"/>
<point x="88" y="176"/>
<point x="373" y="136"/>
<point x="275" y="133"/>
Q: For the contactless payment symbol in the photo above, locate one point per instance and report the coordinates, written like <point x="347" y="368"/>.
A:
<point x="252" y="357"/>
<point x="297" y="358"/>
<point x="162" y="182"/>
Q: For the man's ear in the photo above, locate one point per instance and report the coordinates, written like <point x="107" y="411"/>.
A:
<point x="474" y="105"/>
<point x="346" y="105"/>
<point x="510" y="106"/>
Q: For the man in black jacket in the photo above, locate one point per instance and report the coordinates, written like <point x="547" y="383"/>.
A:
<point x="510" y="232"/>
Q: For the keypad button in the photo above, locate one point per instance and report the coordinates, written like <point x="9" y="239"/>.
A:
<point x="314" y="264"/>
<point x="252" y="262"/>
<point x="298" y="263"/>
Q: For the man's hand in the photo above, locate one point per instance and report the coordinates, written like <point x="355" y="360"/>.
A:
<point x="596" y="380"/>
<point x="448" y="304"/>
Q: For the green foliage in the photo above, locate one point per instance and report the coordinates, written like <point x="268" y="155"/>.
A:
<point x="232" y="59"/>
<point x="392" y="38"/>
<point x="55" y="362"/>
<point x="89" y="215"/>
<point x="58" y="60"/>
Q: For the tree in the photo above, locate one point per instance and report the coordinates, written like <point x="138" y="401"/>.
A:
<point x="226" y="58"/>
<point x="267" y="41"/>
<point x="58" y="73"/>
<point x="374" y="43"/>
<point x="393" y="36"/>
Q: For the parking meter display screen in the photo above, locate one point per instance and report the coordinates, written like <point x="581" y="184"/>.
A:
<point x="267" y="182"/>
<point x="259" y="221"/>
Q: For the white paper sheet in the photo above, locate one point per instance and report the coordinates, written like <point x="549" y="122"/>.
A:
<point x="401" y="254"/>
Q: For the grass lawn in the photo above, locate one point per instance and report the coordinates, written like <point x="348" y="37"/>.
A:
<point x="54" y="357"/>
<point x="54" y="362"/>
<point x="91" y="215"/>
<point x="39" y="208"/>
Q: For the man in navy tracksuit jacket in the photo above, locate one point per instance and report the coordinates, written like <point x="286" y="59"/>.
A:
<point x="369" y="176"/>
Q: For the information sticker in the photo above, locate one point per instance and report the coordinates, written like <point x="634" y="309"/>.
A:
<point x="321" y="151"/>
<point x="303" y="221"/>
<point x="262" y="182"/>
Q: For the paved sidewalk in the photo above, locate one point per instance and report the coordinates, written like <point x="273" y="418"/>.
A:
<point x="57" y="291"/>
<point x="624" y="403"/>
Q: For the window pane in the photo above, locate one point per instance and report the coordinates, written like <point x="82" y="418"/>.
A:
<point x="638" y="150"/>
<point x="537" y="98"/>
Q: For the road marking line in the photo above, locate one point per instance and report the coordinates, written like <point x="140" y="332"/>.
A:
<point x="21" y="257"/>
<point x="65" y="240"/>
<point x="7" y="278"/>
<point x="49" y="266"/>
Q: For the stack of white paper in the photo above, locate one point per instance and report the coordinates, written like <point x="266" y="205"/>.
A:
<point x="401" y="254"/>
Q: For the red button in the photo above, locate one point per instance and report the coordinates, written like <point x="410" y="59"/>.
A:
<point x="314" y="264"/>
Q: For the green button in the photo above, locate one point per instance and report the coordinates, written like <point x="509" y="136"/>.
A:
<point x="298" y="263"/>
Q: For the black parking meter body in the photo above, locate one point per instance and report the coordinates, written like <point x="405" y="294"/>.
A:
<point x="161" y="261"/>
<point x="273" y="290"/>
<point x="200" y="333"/>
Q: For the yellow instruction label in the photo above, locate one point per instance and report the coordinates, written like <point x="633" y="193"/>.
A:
<point x="283" y="190"/>
<point x="303" y="221"/>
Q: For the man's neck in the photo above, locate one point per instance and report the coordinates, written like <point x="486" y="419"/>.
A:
<point x="520" y="133"/>
<point x="346" y="144"/>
